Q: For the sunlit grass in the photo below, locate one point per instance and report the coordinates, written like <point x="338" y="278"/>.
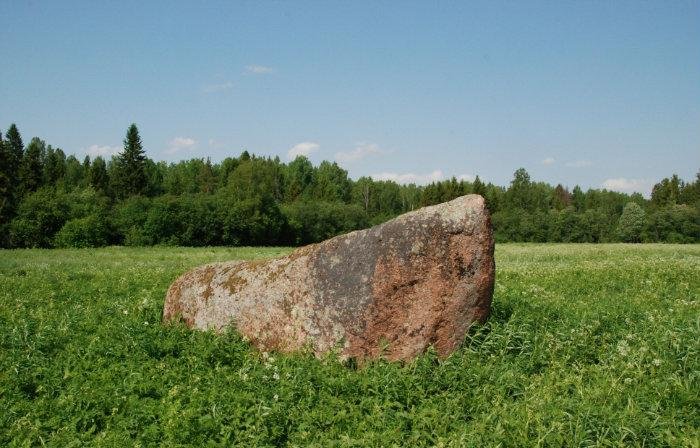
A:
<point x="587" y="345"/>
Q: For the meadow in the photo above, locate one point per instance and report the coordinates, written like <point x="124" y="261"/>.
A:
<point x="587" y="345"/>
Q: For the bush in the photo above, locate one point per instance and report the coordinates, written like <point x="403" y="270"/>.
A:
<point x="631" y="223"/>
<point x="311" y="222"/>
<point x="90" y="231"/>
<point x="253" y="221"/>
<point x="191" y="220"/>
<point x="674" y="224"/>
<point x="128" y="218"/>
<point x="40" y="215"/>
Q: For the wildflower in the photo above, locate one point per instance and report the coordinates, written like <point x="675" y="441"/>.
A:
<point x="656" y="362"/>
<point x="623" y="348"/>
<point x="125" y="312"/>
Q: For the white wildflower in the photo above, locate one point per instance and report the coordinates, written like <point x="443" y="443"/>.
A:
<point x="623" y="348"/>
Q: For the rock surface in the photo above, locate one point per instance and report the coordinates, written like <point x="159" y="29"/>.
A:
<point x="392" y="290"/>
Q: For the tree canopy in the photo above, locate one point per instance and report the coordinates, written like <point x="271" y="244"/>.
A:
<point x="51" y="199"/>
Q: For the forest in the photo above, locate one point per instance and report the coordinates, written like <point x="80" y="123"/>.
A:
<point x="50" y="199"/>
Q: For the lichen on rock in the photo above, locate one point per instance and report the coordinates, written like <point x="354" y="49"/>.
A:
<point x="418" y="280"/>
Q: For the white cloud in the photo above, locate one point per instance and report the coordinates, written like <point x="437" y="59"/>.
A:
<point x="258" y="69"/>
<point x="212" y="88"/>
<point x="411" y="178"/>
<point x="579" y="164"/>
<point x="625" y="185"/>
<point x="180" y="144"/>
<point x="548" y="161"/>
<point x="102" y="150"/>
<point x="302" y="149"/>
<point x="361" y="151"/>
<point x="466" y="177"/>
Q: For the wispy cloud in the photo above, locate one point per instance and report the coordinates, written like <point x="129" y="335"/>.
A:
<point x="258" y="69"/>
<point x="220" y="87"/>
<point x="179" y="144"/>
<point x="102" y="150"/>
<point x="360" y="151"/>
<point x="548" y="161"/>
<point x="302" y="149"/>
<point x="411" y="178"/>
<point x="579" y="164"/>
<point x="466" y="177"/>
<point x="215" y="143"/>
<point x="625" y="185"/>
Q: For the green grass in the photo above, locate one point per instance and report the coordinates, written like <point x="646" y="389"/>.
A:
<point x="588" y="345"/>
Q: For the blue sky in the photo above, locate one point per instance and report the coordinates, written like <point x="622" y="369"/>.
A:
<point x="600" y="94"/>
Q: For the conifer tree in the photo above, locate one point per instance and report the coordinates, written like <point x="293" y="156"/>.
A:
<point x="15" y="146"/>
<point x="478" y="186"/>
<point x="98" y="175"/>
<point x="5" y="186"/>
<point x="31" y="171"/>
<point x="130" y="172"/>
<point x="14" y="151"/>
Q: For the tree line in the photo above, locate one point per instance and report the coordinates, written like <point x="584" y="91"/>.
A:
<point x="49" y="199"/>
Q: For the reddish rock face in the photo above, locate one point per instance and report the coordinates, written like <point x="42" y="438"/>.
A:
<point x="392" y="290"/>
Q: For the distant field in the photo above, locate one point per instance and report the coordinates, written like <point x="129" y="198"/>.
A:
<point x="588" y="345"/>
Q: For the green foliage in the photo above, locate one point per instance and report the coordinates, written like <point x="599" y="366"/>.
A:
<point x="129" y="176"/>
<point x="98" y="178"/>
<point x="90" y="231"/>
<point x="260" y="200"/>
<point x="631" y="223"/>
<point x="331" y="183"/>
<point x="317" y="221"/>
<point x="254" y="221"/>
<point x="31" y="170"/>
<point x="255" y="178"/>
<point x="39" y="217"/>
<point x="6" y="185"/>
<point x="587" y="345"/>
<point x="676" y="224"/>
<point x="15" y="147"/>
<point x="299" y="179"/>
<point x="54" y="166"/>
<point x="128" y="218"/>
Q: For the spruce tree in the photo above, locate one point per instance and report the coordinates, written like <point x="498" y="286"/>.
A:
<point x="5" y="186"/>
<point x="14" y="152"/>
<point x="478" y="186"/>
<point x="31" y="171"/>
<point x="131" y="171"/>
<point x="15" y="146"/>
<point x="98" y="175"/>
<point x="54" y="166"/>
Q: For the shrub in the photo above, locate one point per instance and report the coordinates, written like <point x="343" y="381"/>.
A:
<point x="90" y="231"/>
<point x="631" y="223"/>
<point x="40" y="215"/>
<point x="311" y="222"/>
<point x="128" y="218"/>
<point x="254" y="221"/>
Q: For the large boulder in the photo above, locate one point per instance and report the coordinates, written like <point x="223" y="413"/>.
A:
<point x="392" y="290"/>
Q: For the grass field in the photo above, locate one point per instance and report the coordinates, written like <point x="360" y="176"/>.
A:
<point x="588" y="345"/>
